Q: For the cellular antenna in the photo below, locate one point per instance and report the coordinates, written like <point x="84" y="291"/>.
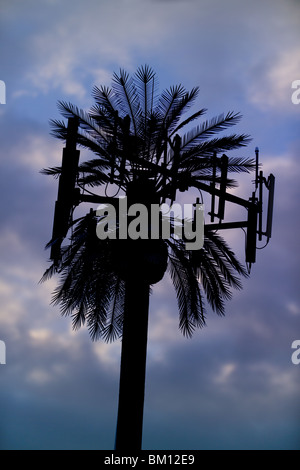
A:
<point x="256" y="166"/>
<point x="271" y="187"/>
<point x="213" y="186"/>
<point x="66" y="190"/>
<point x="251" y="231"/>
<point x="260" y="204"/>
<point x="224" y="169"/>
<point x="174" y="170"/>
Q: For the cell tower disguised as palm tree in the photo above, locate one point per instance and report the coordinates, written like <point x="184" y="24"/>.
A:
<point x="146" y="154"/>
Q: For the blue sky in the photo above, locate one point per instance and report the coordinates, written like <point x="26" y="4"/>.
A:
<point x="233" y="386"/>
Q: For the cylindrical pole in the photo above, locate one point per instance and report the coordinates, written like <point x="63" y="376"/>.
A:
<point x="133" y="366"/>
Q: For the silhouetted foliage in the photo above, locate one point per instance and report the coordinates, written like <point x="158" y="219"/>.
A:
<point x="132" y="131"/>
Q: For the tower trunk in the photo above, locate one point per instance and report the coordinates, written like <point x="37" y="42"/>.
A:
<point x="133" y="367"/>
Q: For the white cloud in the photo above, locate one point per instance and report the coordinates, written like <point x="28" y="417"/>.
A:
<point x="293" y="308"/>
<point x="225" y="373"/>
<point x="164" y="326"/>
<point x="39" y="152"/>
<point x="75" y="45"/>
<point x="39" y="377"/>
<point x="11" y="308"/>
<point x="55" y="69"/>
<point x="272" y="87"/>
<point x="39" y="335"/>
<point x="108" y="354"/>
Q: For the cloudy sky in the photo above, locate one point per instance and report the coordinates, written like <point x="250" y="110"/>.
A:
<point x="233" y="386"/>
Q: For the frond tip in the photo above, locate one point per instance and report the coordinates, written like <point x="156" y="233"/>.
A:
<point x="211" y="270"/>
<point x="189" y="296"/>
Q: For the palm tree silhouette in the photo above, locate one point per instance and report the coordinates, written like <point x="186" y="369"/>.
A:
<point x="143" y="149"/>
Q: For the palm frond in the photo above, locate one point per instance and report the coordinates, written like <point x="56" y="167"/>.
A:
<point x="59" y="129"/>
<point x="84" y="139"/>
<point x="86" y="122"/>
<point x="215" y="265"/>
<point x="215" y="286"/>
<point x="145" y="83"/>
<point x="182" y="105"/>
<point x="102" y="119"/>
<point x="95" y="163"/>
<point x="214" y="146"/>
<point x="79" y="316"/>
<point x="104" y="97"/>
<point x="241" y="165"/>
<point x="114" y="327"/>
<point x="189" y="297"/>
<point x="130" y="129"/>
<point x="100" y="301"/>
<point x="223" y="264"/>
<point x="226" y="252"/>
<point x="198" y="167"/>
<point x="209" y="128"/>
<point x="54" y="171"/>
<point x="84" y="290"/>
<point x="126" y="96"/>
<point x="188" y="120"/>
<point x="94" y="178"/>
<point x="49" y="273"/>
<point x="168" y="101"/>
